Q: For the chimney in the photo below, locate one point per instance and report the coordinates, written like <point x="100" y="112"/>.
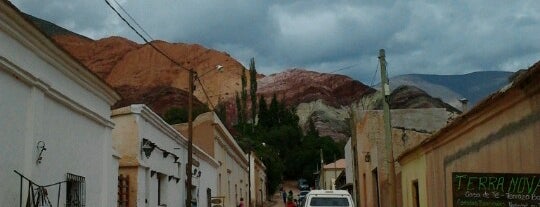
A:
<point x="464" y="102"/>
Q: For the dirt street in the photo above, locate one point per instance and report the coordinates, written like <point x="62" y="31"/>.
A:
<point x="277" y="199"/>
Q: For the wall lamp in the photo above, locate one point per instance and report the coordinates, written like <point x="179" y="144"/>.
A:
<point x="196" y="174"/>
<point x="40" y="147"/>
<point x="147" y="147"/>
<point x="367" y="157"/>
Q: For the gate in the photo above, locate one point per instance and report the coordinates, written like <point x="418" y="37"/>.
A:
<point x="37" y="195"/>
<point x="123" y="191"/>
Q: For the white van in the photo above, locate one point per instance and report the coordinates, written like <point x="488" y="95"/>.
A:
<point x="328" y="198"/>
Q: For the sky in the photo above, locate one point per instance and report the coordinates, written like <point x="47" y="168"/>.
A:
<point x="332" y="36"/>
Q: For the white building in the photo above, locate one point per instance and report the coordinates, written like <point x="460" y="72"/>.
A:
<point x="55" y="122"/>
<point x="213" y="137"/>
<point x="154" y="156"/>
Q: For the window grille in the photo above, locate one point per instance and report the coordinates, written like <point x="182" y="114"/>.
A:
<point x="76" y="191"/>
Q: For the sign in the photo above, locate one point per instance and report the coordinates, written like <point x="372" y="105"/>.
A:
<point x="495" y="189"/>
<point x="217" y="201"/>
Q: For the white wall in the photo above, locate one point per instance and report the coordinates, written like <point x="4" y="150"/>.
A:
<point x="233" y="172"/>
<point x="138" y="122"/>
<point x="43" y="99"/>
<point x="208" y="180"/>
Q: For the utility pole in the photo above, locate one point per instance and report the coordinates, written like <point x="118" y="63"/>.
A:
<point x="321" y="173"/>
<point x="389" y="148"/>
<point x="249" y="177"/>
<point x="190" y="139"/>
<point x="356" y="189"/>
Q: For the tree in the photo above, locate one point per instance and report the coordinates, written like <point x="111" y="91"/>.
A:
<point x="176" y="115"/>
<point x="253" y="89"/>
<point x="263" y="113"/>
<point x="239" y="110"/>
<point x="221" y="111"/>
<point x="274" y="109"/>
<point x="243" y="95"/>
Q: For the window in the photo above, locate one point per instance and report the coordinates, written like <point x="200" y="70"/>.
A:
<point x="329" y="201"/>
<point x="75" y="193"/>
<point x="375" y="178"/>
<point x="415" y="194"/>
<point x="161" y="189"/>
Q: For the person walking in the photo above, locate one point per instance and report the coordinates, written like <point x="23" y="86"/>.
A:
<point x="241" y="204"/>
<point x="290" y="196"/>
<point x="290" y="203"/>
<point x="284" y="195"/>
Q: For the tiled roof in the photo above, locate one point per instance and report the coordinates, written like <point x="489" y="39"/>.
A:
<point x="339" y="164"/>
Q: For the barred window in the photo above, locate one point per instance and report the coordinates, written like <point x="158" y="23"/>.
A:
<point x="75" y="193"/>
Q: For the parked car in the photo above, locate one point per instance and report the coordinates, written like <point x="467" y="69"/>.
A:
<point x="303" y="184"/>
<point x="319" y="198"/>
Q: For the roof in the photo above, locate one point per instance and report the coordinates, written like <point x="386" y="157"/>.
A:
<point x="339" y="164"/>
<point x="30" y="29"/>
<point x="531" y="76"/>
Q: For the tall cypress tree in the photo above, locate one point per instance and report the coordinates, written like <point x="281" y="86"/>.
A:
<point x="253" y="89"/>
<point x="239" y="111"/>
<point x="263" y="112"/>
<point x="243" y="95"/>
<point x="274" y="109"/>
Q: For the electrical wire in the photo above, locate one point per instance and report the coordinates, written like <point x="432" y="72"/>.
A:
<point x="343" y="68"/>
<point x="144" y="38"/>
<point x="374" y="75"/>
<point x="206" y="94"/>
<point x="132" y="19"/>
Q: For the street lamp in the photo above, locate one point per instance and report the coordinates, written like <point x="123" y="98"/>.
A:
<point x="189" y="166"/>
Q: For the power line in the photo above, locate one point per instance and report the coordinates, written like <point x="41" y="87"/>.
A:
<point x="344" y="68"/>
<point x="132" y="19"/>
<point x="205" y="94"/>
<point x="144" y="38"/>
<point x="374" y="75"/>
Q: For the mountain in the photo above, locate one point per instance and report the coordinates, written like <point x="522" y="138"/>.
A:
<point x="140" y="74"/>
<point x="295" y="86"/>
<point x="450" y="88"/>
<point x="323" y="98"/>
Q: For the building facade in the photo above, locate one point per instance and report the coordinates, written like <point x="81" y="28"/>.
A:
<point x="257" y="172"/>
<point x="330" y="173"/>
<point x="55" y="118"/>
<point x="153" y="156"/>
<point x="493" y="149"/>
<point x="234" y="166"/>
<point x="367" y="150"/>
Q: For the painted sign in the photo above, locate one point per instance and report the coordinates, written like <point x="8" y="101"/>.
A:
<point x="495" y="189"/>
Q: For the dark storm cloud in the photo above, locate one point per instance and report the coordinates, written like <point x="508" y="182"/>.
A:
<point x="437" y="37"/>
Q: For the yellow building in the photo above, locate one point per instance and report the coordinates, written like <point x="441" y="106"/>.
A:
<point x="234" y="166"/>
<point x="366" y="154"/>
<point x="492" y="148"/>
<point x="330" y="173"/>
<point x="153" y="158"/>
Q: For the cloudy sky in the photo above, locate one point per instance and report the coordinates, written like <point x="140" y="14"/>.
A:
<point x="431" y="37"/>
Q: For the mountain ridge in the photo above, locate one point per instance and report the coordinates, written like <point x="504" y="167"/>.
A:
<point x="473" y="86"/>
<point x="140" y="74"/>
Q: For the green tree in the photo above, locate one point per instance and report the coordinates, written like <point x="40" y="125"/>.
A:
<point x="253" y="89"/>
<point x="243" y="95"/>
<point x="177" y="115"/>
<point x="263" y="113"/>
<point x="221" y="111"/>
